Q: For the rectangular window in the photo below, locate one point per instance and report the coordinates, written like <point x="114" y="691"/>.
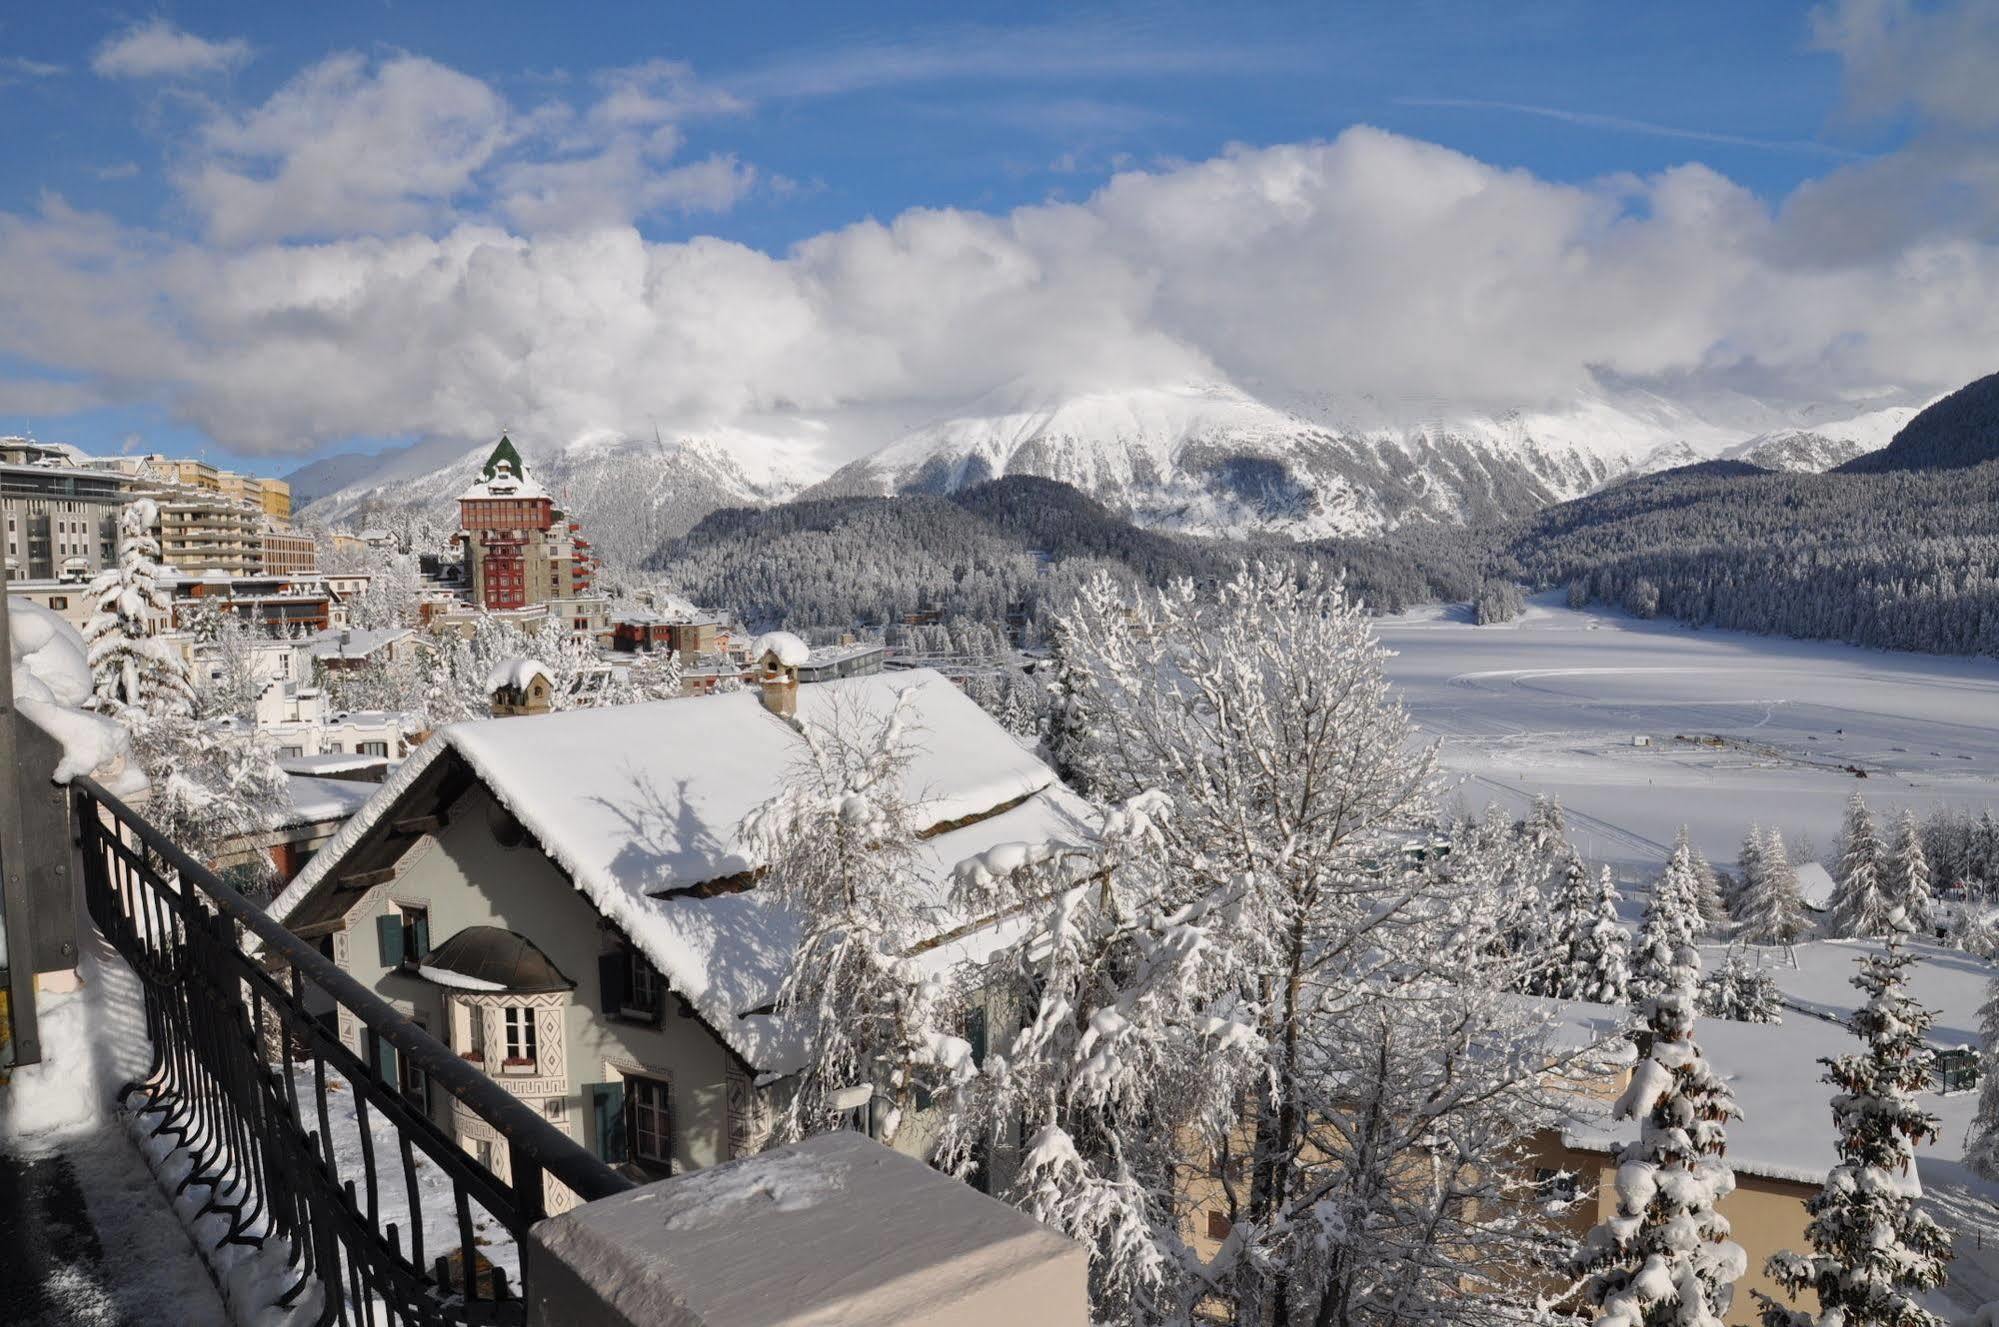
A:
<point x="373" y="749"/>
<point x="519" y="1024"/>
<point x="649" y="1121"/>
<point x="1219" y="1225"/>
<point x="58" y="602"/>
<point x="641" y="994"/>
<point x="416" y="935"/>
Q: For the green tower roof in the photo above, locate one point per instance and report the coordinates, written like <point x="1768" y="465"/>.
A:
<point x="504" y="452"/>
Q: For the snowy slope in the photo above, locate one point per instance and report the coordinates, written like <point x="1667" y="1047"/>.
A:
<point x="1211" y="458"/>
<point x="1824" y="445"/>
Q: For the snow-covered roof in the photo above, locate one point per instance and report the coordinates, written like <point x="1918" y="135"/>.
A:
<point x="316" y="799"/>
<point x="1818" y="978"/>
<point x="353" y="642"/>
<point x="516" y="674"/>
<point x="1774" y="1069"/>
<point x="330" y="762"/>
<point x="789" y="649"/>
<point x="640" y="803"/>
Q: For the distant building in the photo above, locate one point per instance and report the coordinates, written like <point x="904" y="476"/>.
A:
<point x="519" y="550"/>
<point x="287" y="552"/>
<point x="61" y="518"/>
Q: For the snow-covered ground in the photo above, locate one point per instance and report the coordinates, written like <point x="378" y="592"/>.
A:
<point x="1740" y="727"/>
<point x="124" y="1258"/>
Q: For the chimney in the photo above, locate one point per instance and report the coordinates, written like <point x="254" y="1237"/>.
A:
<point x="779" y="688"/>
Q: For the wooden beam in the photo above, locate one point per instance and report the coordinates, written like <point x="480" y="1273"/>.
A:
<point x="367" y="879"/>
<point x="417" y="825"/>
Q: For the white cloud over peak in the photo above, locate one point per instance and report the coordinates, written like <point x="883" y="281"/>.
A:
<point x="1371" y="264"/>
<point x="158" y="49"/>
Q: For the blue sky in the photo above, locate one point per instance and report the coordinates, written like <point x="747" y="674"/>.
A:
<point x="771" y="125"/>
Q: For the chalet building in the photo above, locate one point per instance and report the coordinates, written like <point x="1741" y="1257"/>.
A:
<point x="567" y="900"/>
<point x="519" y="550"/>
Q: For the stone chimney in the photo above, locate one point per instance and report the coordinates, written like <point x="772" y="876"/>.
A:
<point x="779" y="687"/>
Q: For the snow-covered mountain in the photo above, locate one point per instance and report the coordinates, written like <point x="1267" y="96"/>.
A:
<point x="1204" y="458"/>
<point x="629" y="494"/>
<point x="1211" y="458"/>
<point x="1825" y="446"/>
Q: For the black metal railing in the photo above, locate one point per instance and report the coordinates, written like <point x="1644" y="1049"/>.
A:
<point x="283" y="1131"/>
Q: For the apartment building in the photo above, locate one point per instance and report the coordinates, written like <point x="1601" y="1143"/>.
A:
<point x="519" y="549"/>
<point x="61" y="519"/>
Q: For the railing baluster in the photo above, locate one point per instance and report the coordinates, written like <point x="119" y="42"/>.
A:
<point x="232" y="1039"/>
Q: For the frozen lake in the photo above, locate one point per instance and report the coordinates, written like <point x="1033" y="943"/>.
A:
<point x="1737" y="727"/>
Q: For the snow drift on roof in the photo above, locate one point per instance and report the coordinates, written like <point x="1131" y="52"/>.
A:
<point x="515" y="675"/>
<point x="789" y="649"/>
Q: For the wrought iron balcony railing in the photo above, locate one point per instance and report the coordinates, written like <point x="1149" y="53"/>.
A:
<point x="292" y="1135"/>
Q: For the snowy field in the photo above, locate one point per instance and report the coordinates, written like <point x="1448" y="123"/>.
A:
<point x="1740" y="727"/>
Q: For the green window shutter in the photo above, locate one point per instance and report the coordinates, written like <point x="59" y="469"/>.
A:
<point x="607" y="1105"/>
<point x="975" y="1033"/>
<point x="389" y="932"/>
<point x="384" y="1057"/>
<point x="420" y="940"/>
<point x="611" y="981"/>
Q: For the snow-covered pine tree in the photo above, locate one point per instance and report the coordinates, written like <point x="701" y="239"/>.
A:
<point x="1748" y="869"/>
<point x="1771" y="910"/>
<point x="1983" y="1153"/>
<point x="840" y="844"/>
<point x="1860" y="905"/>
<point x="1874" y="1249"/>
<point x="1672" y="922"/>
<point x="1604" y="971"/>
<point x="1070" y="719"/>
<point x="1665" y="1258"/>
<point x="132" y="668"/>
<point x="1131" y="1055"/>
<point x="1908" y="874"/>
<point x="1573" y="927"/>
<point x="1741" y="992"/>
<point x="1708" y="899"/>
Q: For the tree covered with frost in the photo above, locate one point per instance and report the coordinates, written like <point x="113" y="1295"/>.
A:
<point x="1741" y="992"/>
<point x="841" y="847"/>
<point x="1874" y="1250"/>
<point x="1664" y="1257"/>
<point x="130" y="666"/>
<point x="1708" y="899"/>
<point x="1600" y="957"/>
<point x="1860" y="903"/>
<point x="214" y="784"/>
<point x="1672" y="922"/>
<point x="1982" y="1155"/>
<point x="1133" y="1048"/>
<point x="1362" y="1186"/>
<point x="1908" y="872"/>
<point x="1770" y="909"/>
<point x="1748" y="870"/>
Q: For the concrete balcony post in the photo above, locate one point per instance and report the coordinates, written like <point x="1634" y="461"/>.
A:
<point x="837" y="1231"/>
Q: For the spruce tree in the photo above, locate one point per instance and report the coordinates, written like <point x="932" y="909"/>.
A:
<point x="1860" y="905"/>
<point x="131" y="667"/>
<point x="1748" y="869"/>
<point x="1574" y="924"/>
<point x="1707" y="895"/>
<point x="1874" y="1250"/>
<point x="1603" y="971"/>
<point x="1672" y="920"/>
<point x="1741" y="992"/>
<point x="1772" y="911"/>
<point x="1664" y="1258"/>
<point x="1983" y="1153"/>
<point x="1908" y="882"/>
